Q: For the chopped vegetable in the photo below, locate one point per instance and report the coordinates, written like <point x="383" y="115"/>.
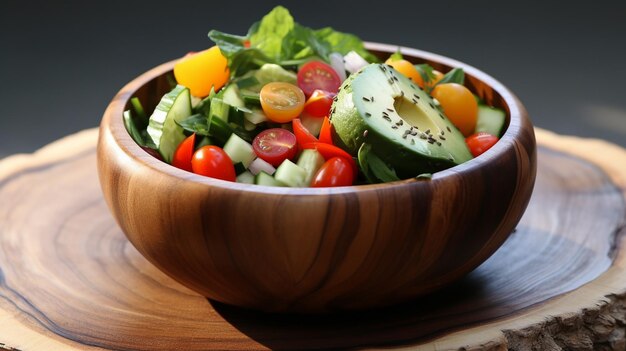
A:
<point x="202" y="72"/>
<point x="212" y="161"/>
<point x="459" y="105"/>
<point x="316" y="75"/>
<point x="275" y="145"/>
<point x="282" y="102"/>
<point x="337" y="171"/>
<point x="184" y="153"/>
<point x="480" y="142"/>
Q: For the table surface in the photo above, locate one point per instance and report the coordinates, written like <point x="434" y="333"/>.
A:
<point x="62" y="63"/>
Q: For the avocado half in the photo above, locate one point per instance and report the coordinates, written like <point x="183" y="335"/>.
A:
<point x="404" y="127"/>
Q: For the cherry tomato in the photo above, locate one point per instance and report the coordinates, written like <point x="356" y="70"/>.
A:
<point x="480" y="142"/>
<point x="325" y="132"/>
<point x="459" y="105"/>
<point x="405" y="67"/>
<point x="184" y="153"/>
<point x="212" y="161"/>
<point x="275" y="145"/>
<point x="201" y="71"/>
<point x="303" y="136"/>
<point x="329" y="151"/>
<point x="319" y="103"/>
<point x="281" y="102"/>
<point x="337" y="171"/>
<point x="318" y="75"/>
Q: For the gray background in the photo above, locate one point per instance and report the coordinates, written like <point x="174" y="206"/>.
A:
<point x="61" y="62"/>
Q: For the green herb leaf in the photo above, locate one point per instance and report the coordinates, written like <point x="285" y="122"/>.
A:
<point x="374" y="169"/>
<point x="271" y="32"/>
<point x="195" y="124"/>
<point x="142" y="118"/>
<point x="426" y="71"/>
<point x="343" y="43"/>
<point x="456" y="75"/>
<point x="229" y="44"/>
<point x="363" y="160"/>
<point x="396" y="56"/>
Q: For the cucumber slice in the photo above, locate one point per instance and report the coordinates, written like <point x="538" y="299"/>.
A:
<point x="291" y="174"/>
<point x="231" y="96"/>
<point x="219" y="109"/>
<point x="490" y="120"/>
<point x="266" y="179"/>
<point x="311" y="161"/>
<point x="165" y="133"/>
<point x="245" y="177"/>
<point x="239" y="150"/>
<point x="256" y="116"/>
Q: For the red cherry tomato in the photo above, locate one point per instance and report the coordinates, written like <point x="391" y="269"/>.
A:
<point x="337" y="171"/>
<point x="319" y="103"/>
<point x="184" y="153"/>
<point x="480" y="142"/>
<point x="329" y="151"/>
<point x="325" y="132"/>
<point x="318" y="75"/>
<point x="275" y="145"/>
<point x="303" y="136"/>
<point x="212" y="161"/>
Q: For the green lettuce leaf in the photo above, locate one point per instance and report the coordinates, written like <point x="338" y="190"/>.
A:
<point x="272" y="31"/>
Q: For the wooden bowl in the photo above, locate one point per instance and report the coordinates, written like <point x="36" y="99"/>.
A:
<point x="315" y="250"/>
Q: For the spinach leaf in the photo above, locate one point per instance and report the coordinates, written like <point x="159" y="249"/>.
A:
<point x="426" y="71"/>
<point x="271" y="32"/>
<point x="374" y="169"/>
<point x="456" y="75"/>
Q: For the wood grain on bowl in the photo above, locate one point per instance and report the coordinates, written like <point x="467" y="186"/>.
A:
<point x="70" y="280"/>
<point x="310" y="249"/>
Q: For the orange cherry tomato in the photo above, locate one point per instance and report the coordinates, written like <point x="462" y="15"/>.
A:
<point x="405" y="67"/>
<point x="480" y="142"/>
<point x="212" y="161"/>
<point x="281" y="102"/>
<point x="184" y="153"/>
<point x="319" y="103"/>
<point x="337" y="171"/>
<point x="201" y="71"/>
<point x="459" y="105"/>
<point x="325" y="132"/>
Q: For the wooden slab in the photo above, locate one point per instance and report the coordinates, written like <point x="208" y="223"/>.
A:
<point x="70" y="280"/>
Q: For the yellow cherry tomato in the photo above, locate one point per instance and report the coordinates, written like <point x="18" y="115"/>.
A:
<point x="281" y="102"/>
<point x="459" y="105"/>
<point x="201" y="71"/>
<point x="405" y="67"/>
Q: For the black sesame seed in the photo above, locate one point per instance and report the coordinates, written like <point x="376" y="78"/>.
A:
<point x="390" y="66"/>
<point x="372" y="98"/>
<point x="430" y="141"/>
<point x="366" y="99"/>
<point x="387" y="118"/>
<point x="412" y="141"/>
<point x="431" y="105"/>
<point x="438" y="144"/>
<point x="385" y="113"/>
<point x="449" y="130"/>
<point x="416" y="96"/>
<point x="394" y="127"/>
<point x="400" y="122"/>
<point x="390" y="80"/>
<point x="414" y="133"/>
<point x="395" y="78"/>
<point x="414" y="101"/>
<point x="367" y="114"/>
<point x="427" y="131"/>
<point x="402" y="93"/>
<point x="442" y="138"/>
<point x="423" y="136"/>
<point x="389" y="109"/>
<point x="442" y="132"/>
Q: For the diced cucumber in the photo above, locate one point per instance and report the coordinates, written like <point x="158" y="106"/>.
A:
<point x="245" y="177"/>
<point x="231" y="96"/>
<point x="165" y="133"/>
<point x="271" y="72"/>
<point x="291" y="174"/>
<point x="311" y="161"/>
<point x="266" y="179"/>
<point x="490" y="120"/>
<point x="311" y="123"/>
<point x="239" y="150"/>
<point x="219" y="109"/>
<point x="251" y="98"/>
<point x="256" y="116"/>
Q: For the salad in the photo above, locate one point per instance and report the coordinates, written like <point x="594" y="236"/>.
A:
<point x="287" y="105"/>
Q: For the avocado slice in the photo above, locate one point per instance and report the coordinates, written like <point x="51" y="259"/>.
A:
<point x="381" y="107"/>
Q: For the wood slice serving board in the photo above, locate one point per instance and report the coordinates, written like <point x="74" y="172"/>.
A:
<point x="69" y="279"/>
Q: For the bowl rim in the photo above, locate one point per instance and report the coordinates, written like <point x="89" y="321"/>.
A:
<point x="518" y="116"/>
